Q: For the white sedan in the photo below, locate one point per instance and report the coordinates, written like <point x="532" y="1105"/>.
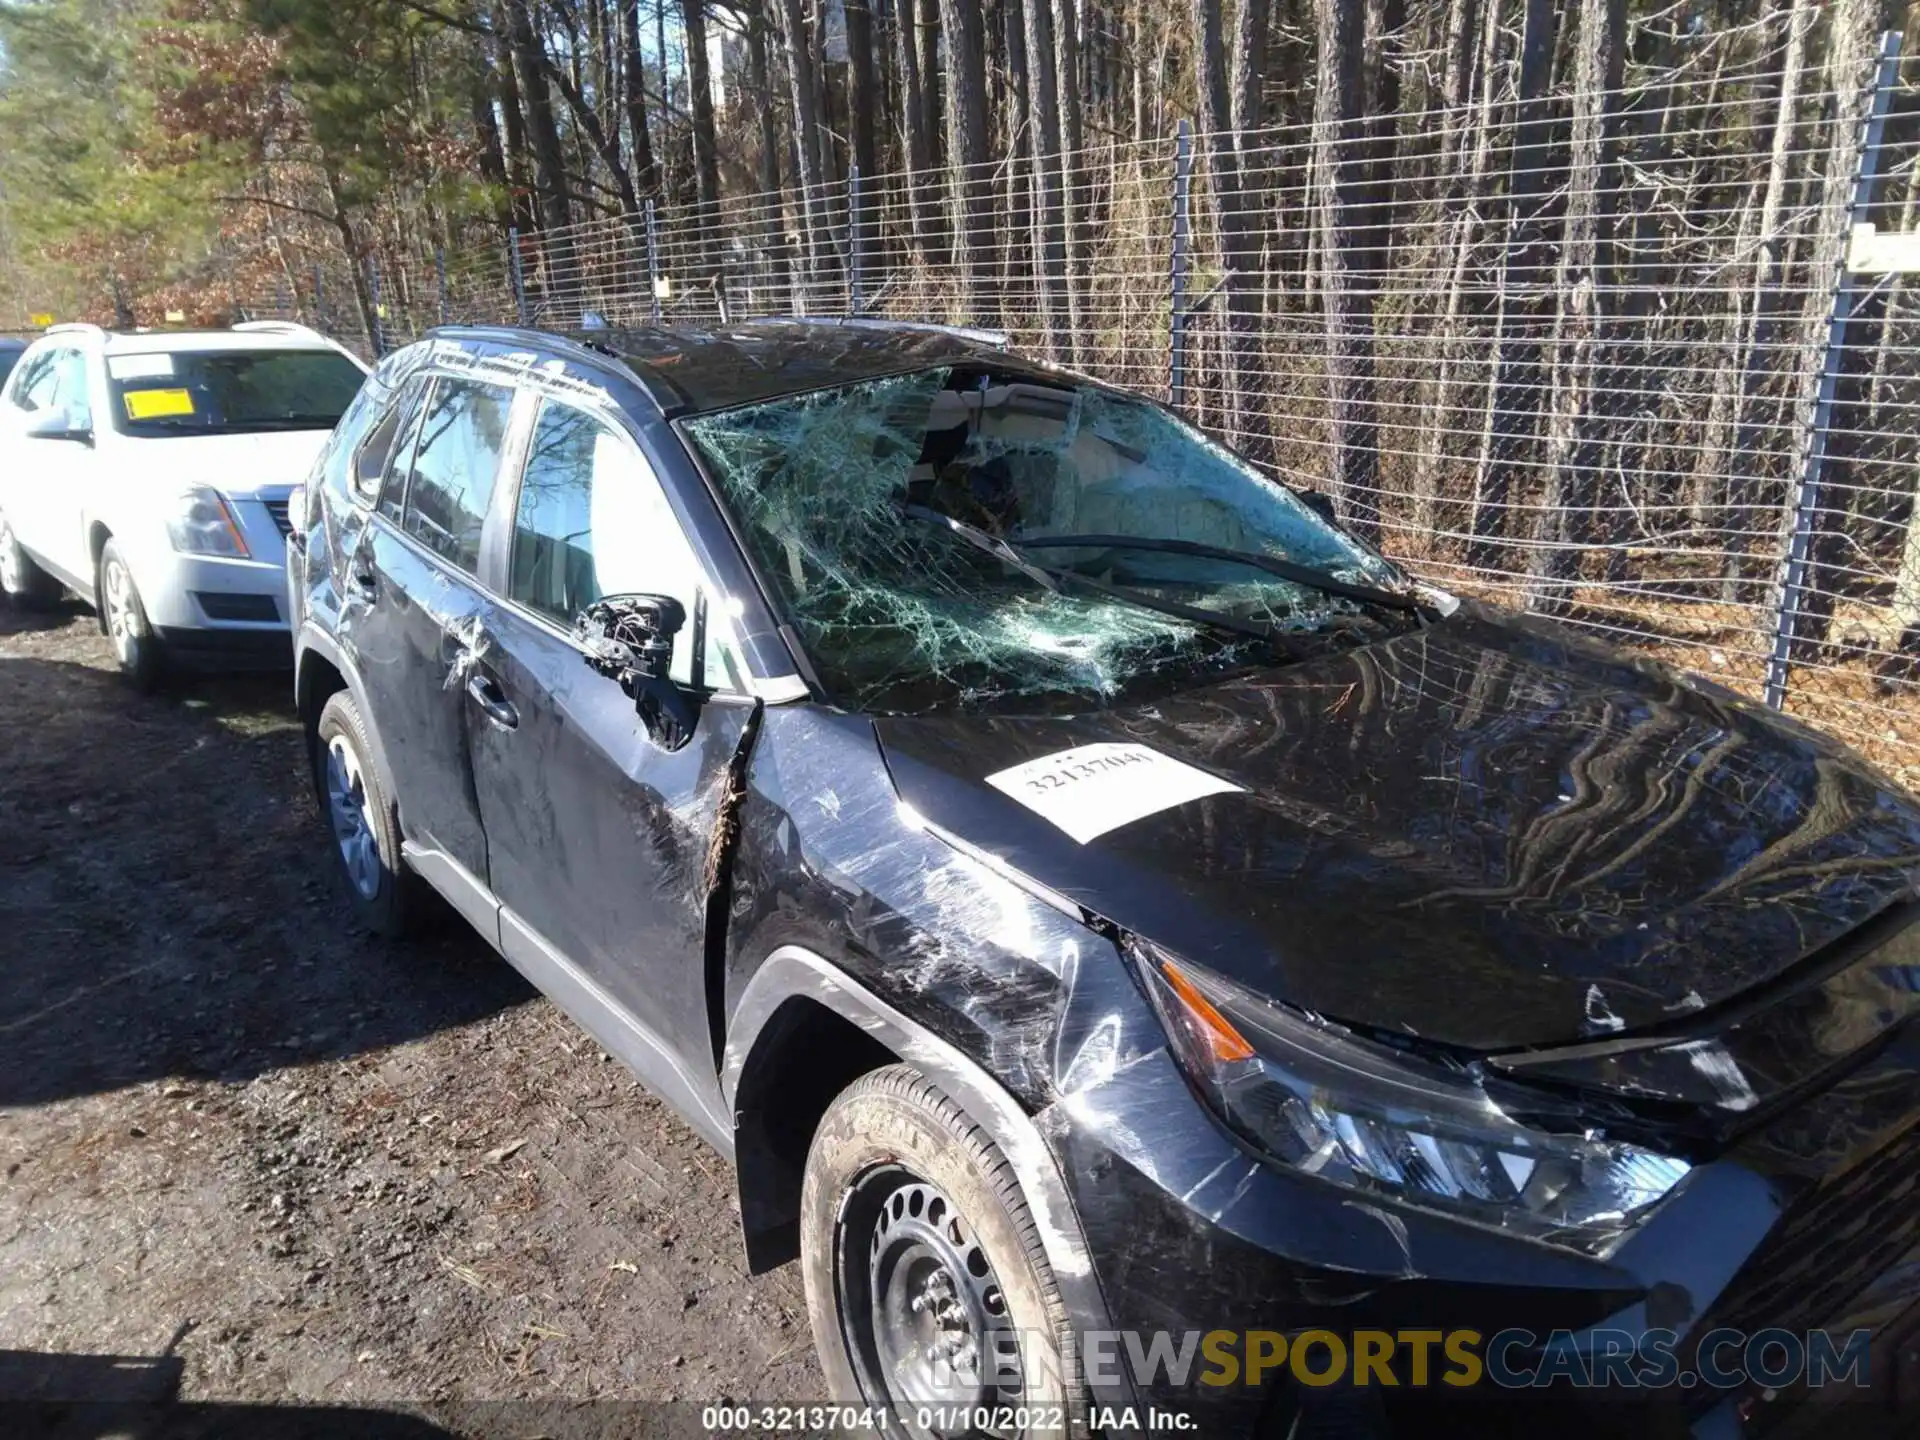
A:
<point x="149" y="473"/>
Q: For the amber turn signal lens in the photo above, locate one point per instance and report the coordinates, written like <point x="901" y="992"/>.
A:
<point x="1224" y="1043"/>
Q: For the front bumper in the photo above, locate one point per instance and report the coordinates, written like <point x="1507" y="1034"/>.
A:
<point x="1192" y="1235"/>
<point x="204" y="592"/>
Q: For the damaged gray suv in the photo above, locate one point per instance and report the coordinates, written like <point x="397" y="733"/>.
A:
<point x="1118" y="925"/>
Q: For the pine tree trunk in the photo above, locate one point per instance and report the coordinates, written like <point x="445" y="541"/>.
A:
<point x="486" y="129"/>
<point x="1049" y="238"/>
<point x="1766" y="299"/>
<point x="1017" y="269"/>
<point x="1832" y="551"/>
<point x="1075" y="184"/>
<point x="921" y="213"/>
<point x="775" y="260"/>
<point x="862" y="105"/>
<point x="646" y="171"/>
<point x="963" y="29"/>
<point x="806" y="145"/>
<point x="1339" y="153"/>
<point x="1572" y="460"/>
<point x="706" y="151"/>
<point x="1517" y="382"/>
<point x="548" y="157"/>
<point x="932" y="107"/>
<point x="1467" y="156"/>
<point x="526" y="210"/>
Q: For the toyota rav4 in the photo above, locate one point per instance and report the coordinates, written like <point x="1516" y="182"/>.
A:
<point x="1087" y="893"/>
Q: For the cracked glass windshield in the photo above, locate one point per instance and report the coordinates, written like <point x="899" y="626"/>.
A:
<point x="1011" y="539"/>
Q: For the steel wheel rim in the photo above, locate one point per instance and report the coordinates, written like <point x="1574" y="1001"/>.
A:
<point x="10" y="577"/>
<point x="347" y="810"/>
<point x="123" y="623"/>
<point x="922" y="1311"/>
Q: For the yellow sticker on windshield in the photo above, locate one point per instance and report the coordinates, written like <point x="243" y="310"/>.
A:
<point x="158" y="404"/>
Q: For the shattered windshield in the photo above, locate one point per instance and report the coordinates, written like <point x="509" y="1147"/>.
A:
<point x="968" y="536"/>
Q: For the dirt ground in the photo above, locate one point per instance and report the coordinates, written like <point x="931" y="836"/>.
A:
<point x="268" y="1161"/>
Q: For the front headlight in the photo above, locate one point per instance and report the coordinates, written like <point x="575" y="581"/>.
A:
<point x="1331" y="1104"/>
<point x="205" y="525"/>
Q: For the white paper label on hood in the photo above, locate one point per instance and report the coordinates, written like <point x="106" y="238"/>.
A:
<point x="1092" y="789"/>
<point x="139" y="367"/>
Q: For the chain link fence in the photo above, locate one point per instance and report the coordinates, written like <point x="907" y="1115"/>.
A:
<point x="1642" y="359"/>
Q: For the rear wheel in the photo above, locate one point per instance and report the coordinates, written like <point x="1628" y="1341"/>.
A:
<point x="21" y="581"/>
<point x="361" y="821"/>
<point x="139" y="651"/>
<point x="927" y="1285"/>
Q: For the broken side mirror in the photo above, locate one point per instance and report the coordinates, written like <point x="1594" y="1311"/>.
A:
<point x="629" y="638"/>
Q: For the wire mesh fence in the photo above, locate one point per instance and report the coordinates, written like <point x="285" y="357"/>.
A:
<point x="1643" y="359"/>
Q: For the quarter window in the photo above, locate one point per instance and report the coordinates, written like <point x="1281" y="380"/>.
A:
<point x="74" y="395"/>
<point x="385" y="451"/>
<point x="592" y="520"/>
<point x="455" y="464"/>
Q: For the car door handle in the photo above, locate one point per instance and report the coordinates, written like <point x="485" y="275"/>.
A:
<point x="484" y="691"/>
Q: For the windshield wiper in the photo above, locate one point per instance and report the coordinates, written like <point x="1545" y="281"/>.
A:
<point x="1272" y="564"/>
<point x="1058" y="580"/>
<point x="981" y="540"/>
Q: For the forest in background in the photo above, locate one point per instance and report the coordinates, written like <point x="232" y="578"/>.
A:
<point x="1539" y="290"/>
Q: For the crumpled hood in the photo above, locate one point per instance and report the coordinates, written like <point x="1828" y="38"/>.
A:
<point x="1490" y="833"/>
<point x="237" y="465"/>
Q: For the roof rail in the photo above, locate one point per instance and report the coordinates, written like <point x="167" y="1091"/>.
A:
<point x="276" y="327"/>
<point x="76" y="327"/>
<point x="524" y="335"/>
<point x="998" y="339"/>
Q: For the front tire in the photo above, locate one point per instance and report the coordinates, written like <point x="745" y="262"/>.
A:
<point x="927" y="1285"/>
<point x="362" y="822"/>
<point x="23" y="582"/>
<point x="142" y="657"/>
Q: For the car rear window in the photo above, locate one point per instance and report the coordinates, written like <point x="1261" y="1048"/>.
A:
<point x="203" y="392"/>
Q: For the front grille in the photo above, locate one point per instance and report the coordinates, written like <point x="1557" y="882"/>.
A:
<point x="1835" y="1241"/>
<point x="217" y="606"/>
<point x="278" y="510"/>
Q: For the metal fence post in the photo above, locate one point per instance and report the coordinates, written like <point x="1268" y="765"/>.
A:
<point x="282" y="304"/>
<point x="378" y="339"/>
<point x="440" y="277"/>
<point x="1182" y="261"/>
<point x="1806" y="503"/>
<point x="853" y="240"/>
<point x="517" y="275"/>
<point x="319" y="308"/>
<point x="653" y="263"/>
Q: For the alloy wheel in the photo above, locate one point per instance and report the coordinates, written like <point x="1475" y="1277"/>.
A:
<point x="12" y="578"/>
<point x="124" y="625"/>
<point x="347" y="809"/>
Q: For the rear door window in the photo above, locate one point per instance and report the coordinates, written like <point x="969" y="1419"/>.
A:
<point x="456" y="462"/>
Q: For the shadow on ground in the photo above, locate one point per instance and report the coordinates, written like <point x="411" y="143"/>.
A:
<point x="133" y="1397"/>
<point x="167" y="897"/>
